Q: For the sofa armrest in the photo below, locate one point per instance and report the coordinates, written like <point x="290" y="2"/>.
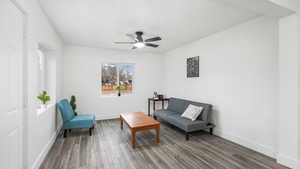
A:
<point x="206" y="114"/>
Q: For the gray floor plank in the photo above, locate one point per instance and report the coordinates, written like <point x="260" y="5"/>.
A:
<point x="110" y="148"/>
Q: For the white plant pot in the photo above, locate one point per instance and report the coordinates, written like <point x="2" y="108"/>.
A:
<point x="43" y="106"/>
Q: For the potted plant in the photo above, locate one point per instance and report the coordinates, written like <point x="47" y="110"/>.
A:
<point x="119" y="88"/>
<point x="73" y="104"/>
<point x="44" y="98"/>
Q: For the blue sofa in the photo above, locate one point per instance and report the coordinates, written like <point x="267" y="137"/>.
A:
<point x="70" y="121"/>
<point x="176" y="107"/>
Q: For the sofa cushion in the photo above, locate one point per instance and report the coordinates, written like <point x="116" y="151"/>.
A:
<point x="177" y="105"/>
<point x="80" y="121"/>
<point x="186" y="124"/>
<point x="192" y="112"/>
<point x="163" y="114"/>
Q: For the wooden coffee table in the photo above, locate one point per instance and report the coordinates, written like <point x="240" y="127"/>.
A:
<point x="138" y="121"/>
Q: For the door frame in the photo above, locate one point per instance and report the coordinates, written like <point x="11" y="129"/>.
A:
<point x="24" y="90"/>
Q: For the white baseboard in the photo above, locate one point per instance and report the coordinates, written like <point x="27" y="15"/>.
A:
<point x="106" y="117"/>
<point x="288" y="161"/>
<point x="247" y="143"/>
<point x="37" y="163"/>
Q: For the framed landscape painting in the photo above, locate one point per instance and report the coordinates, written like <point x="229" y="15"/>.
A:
<point x="192" y="67"/>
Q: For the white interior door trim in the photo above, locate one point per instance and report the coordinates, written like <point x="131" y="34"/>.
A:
<point x="24" y="91"/>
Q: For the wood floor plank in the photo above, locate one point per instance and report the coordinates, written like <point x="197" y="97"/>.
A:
<point x="110" y="148"/>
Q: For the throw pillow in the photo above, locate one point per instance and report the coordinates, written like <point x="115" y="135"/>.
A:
<point x="192" y="112"/>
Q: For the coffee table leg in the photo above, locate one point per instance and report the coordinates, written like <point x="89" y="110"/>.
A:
<point x="121" y="122"/>
<point x="133" y="141"/>
<point x="157" y="134"/>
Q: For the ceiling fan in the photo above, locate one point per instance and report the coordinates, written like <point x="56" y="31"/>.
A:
<point x="139" y="41"/>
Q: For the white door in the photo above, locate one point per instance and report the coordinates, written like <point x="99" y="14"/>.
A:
<point x="11" y="55"/>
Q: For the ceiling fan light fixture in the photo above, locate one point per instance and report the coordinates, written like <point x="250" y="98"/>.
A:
<point x="139" y="44"/>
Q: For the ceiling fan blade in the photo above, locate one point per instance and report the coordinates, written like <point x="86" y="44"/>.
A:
<point x="151" y="45"/>
<point x="131" y="36"/>
<point x="133" y="47"/>
<point x="124" y="42"/>
<point x="153" y="39"/>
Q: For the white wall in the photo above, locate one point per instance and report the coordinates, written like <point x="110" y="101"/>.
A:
<point x="238" y="75"/>
<point x="82" y="78"/>
<point x="298" y="31"/>
<point x="288" y="99"/>
<point x="39" y="130"/>
<point x="297" y="3"/>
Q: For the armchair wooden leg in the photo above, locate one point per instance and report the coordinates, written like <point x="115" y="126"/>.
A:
<point x="187" y="137"/>
<point x="65" y="133"/>
<point x="90" y="131"/>
<point x="211" y="130"/>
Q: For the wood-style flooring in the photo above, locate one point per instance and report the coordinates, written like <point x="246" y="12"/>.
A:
<point x="110" y="148"/>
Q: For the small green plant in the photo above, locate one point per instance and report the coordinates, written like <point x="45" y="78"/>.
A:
<point x="43" y="97"/>
<point x="73" y="104"/>
<point x="119" y="88"/>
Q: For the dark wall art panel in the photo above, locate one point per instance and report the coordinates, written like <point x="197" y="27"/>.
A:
<point x="192" y="66"/>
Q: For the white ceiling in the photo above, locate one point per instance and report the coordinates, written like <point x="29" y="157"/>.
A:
<point x="99" y="23"/>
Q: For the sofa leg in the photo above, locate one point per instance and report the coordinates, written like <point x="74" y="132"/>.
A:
<point x="155" y="117"/>
<point x="90" y="131"/>
<point x="65" y="133"/>
<point x="70" y="130"/>
<point x="211" y="131"/>
<point x="187" y="136"/>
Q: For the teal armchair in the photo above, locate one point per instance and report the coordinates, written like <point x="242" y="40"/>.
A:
<point x="70" y="121"/>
